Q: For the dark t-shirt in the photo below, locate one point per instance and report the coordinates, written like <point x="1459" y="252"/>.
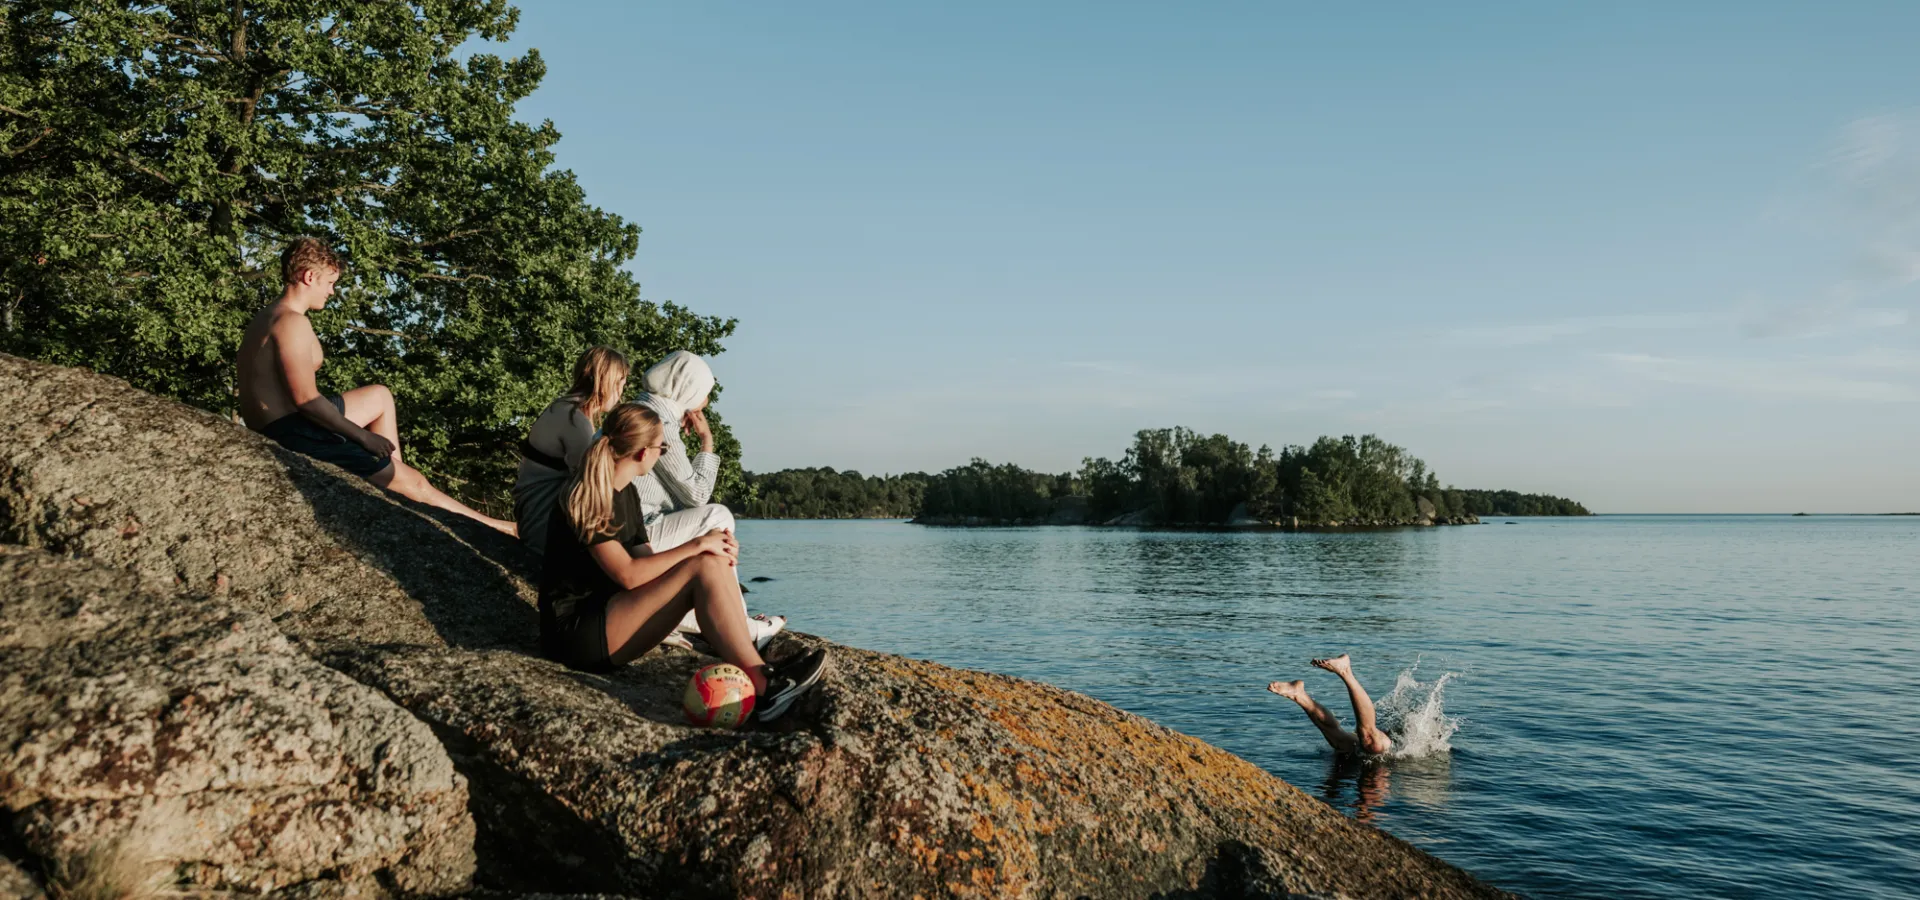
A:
<point x="571" y="574"/>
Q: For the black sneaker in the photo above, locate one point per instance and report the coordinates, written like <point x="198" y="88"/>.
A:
<point x="786" y="683"/>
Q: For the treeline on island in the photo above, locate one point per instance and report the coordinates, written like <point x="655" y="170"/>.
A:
<point x="1170" y="476"/>
<point x="827" y="494"/>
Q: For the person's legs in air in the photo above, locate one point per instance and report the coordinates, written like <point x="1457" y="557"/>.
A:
<point x="1365" y="728"/>
<point x="1340" y="739"/>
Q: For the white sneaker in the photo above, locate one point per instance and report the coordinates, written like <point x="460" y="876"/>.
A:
<point x="763" y="627"/>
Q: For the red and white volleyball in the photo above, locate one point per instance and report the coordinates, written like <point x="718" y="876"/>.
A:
<point x="719" y="696"/>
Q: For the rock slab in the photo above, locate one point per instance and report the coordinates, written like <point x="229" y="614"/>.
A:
<point x="194" y="731"/>
<point x="898" y="778"/>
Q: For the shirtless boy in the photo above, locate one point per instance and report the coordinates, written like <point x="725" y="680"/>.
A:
<point x="357" y="431"/>
<point x="1366" y="738"/>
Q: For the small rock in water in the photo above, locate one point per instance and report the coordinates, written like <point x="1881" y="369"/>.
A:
<point x="759" y="578"/>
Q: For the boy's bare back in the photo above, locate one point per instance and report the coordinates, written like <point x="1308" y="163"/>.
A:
<point x="277" y="339"/>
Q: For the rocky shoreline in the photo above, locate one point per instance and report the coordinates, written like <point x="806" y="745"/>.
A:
<point x="260" y="675"/>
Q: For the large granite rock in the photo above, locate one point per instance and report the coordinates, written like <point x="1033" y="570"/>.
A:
<point x="187" y="501"/>
<point x="897" y="778"/>
<point x="194" y="731"/>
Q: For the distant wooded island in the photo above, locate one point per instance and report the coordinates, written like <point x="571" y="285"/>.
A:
<point x="1170" y="477"/>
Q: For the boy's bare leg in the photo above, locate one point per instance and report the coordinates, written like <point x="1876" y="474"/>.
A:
<point x="1372" y="739"/>
<point x="371" y="407"/>
<point x="407" y="481"/>
<point x="1343" y="741"/>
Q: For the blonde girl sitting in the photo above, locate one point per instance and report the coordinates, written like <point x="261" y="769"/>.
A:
<point x="603" y="605"/>
<point x="559" y="438"/>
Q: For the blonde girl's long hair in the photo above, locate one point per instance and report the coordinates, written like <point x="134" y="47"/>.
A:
<point x="590" y="498"/>
<point x="595" y="375"/>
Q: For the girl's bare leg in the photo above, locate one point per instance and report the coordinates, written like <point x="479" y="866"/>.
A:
<point x="1343" y="741"/>
<point x="1372" y="739"/>
<point x="641" y="618"/>
<point x="723" y="616"/>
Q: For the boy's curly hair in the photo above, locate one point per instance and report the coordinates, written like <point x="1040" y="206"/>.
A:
<point x="305" y="253"/>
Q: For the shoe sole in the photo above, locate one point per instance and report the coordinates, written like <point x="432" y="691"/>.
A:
<point x="778" y="706"/>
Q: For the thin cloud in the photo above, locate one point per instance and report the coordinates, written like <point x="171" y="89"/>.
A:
<point x="1883" y="359"/>
<point x="1807" y="379"/>
<point x="1580" y="392"/>
<point x="1872" y="193"/>
<point x="1836" y="315"/>
<point x="1526" y="334"/>
<point x="1099" y="365"/>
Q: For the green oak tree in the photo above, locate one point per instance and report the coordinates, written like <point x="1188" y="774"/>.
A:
<point x="154" y="157"/>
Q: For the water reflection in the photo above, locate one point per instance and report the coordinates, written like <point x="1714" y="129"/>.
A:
<point x="1363" y="788"/>
<point x="1358" y="786"/>
<point x="1369" y="582"/>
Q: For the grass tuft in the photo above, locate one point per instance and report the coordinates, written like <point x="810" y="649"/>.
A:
<point x="119" y="870"/>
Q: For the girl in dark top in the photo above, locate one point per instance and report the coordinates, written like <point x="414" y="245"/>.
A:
<point x="602" y="605"/>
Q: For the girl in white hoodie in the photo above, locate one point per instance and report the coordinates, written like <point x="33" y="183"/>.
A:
<point x="674" y="495"/>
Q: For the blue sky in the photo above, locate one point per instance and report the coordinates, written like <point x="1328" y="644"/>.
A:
<point x="1658" y="257"/>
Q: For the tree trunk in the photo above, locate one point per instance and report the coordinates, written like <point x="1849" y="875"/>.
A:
<point x="222" y="222"/>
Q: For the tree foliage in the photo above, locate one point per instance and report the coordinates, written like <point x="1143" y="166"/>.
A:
<point x="1177" y="476"/>
<point x="827" y="494"/>
<point x="1512" y="503"/>
<point x="1002" y="493"/>
<point x="1348" y="479"/>
<point x="156" y="156"/>
<point x="1172" y="476"/>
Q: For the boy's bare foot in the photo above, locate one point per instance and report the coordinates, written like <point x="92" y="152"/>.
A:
<point x="1338" y="665"/>
<point x="1292" y="690"/>
<point x="504" y="527"/>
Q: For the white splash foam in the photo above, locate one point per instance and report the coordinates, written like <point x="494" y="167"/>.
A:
<point x="1416" y="717"/>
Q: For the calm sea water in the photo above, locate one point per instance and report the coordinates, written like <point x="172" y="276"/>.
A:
<point x="1643" y="706"/>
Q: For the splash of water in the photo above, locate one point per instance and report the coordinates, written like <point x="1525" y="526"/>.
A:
<point x="1414" y="713"/>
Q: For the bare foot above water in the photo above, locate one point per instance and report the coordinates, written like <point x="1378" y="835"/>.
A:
<point x="1338" y="665"/>
<point x="1292" y="690"/>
